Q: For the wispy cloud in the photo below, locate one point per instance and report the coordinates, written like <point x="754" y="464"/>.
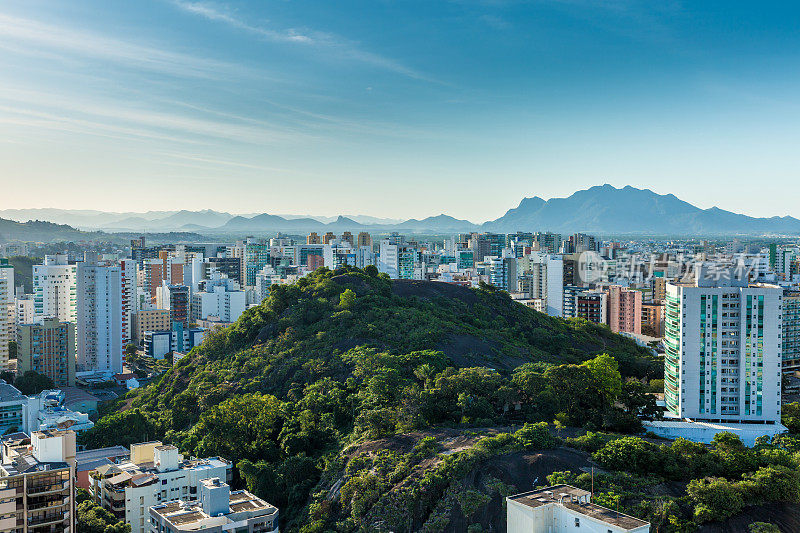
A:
<point x="61" y="41"/>
<point x="332" y="44"/>
<point x="57" y="112"/>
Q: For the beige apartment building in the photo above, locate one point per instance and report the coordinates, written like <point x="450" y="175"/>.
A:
<point x="150" y="320"/>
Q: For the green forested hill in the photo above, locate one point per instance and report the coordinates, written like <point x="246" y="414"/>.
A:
<point x="341" y="357"/>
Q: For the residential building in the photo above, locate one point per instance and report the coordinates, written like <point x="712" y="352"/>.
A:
<point x="128" y="270"/>
<point x="99" y="316"/>
<point x="37" y="482"/>
<point x="313" y="238"/>
<point x="150" y="320"/>
<point x="653" y="317"/>
<point x="55" y="289"/>
<point x="7" y="317"/>
<point x="566" y="508"/>
<point x="13" y="408"/>
<point x="220" y="297"/>
<point x="592" y="305"/>
<point x="364" y="239"/>
<point x="155" y="474"/>
<point x="157" y="344"/>
<point x="547" y="242"/>
<point x="89" y="460"/>
<point x="503" y="272"/>
<point x="218" y="510"/>
<point x="347" y="237"/>
<point x="46" y="410"/>
<point x="228" y="266"/>
<point x="791" y="332"/>
<point x="48" y="347"/>
<point x="24" y="309"/>
<point x="176" y="299"/>
<point x="624" y="310"/>
<point x="723" y="350"/>
<point x="256" y="256"/>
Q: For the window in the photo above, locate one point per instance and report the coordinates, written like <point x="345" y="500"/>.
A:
<point x="577" y="522"/>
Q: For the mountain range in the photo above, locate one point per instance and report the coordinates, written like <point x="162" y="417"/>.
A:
<point x="603" y="210"/>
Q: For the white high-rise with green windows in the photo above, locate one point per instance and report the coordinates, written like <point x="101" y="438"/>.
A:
<point x="723" y="351"/>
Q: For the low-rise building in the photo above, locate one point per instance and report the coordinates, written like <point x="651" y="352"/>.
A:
<point x="566" y="508"/>
<point x="155" y="474"/>
<point x="157" y="344"/>
<point x="218" y="511"/>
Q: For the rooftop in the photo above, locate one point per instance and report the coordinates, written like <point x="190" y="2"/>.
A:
<point x="577" y="500"/>
<point x="9" y="393"/>
<point x="189" y="516"/>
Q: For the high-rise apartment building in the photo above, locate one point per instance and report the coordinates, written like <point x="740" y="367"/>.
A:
<point x="99" y="316"/>
<point x="227" y="266"/>
<point x="54" y="289"/>
<point x="547" y="242"/>
<point x="592" y="305"/>
<point x="624" y="310"/>
<point x="364" y="239"/>
<point x="723" y="350"/>
<point x="176" y="299"/>
<point x="791" y="332"/>
<point x="7" y="311"/>
<point x="256" y="256"/>
<point x="128" y="270"/>
<point x="48" y="347"/>
<point x="313" y="238"/>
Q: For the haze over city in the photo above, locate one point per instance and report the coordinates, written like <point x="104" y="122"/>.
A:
<point x="338" y="107"/>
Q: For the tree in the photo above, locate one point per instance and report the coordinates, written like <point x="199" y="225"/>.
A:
<point x="91" y="518"/>
<point x="31" y="382"/>
<point x="605" y="370"/>
<point x="763" y="527"/>
<point x="715" y="498"/>
<point x="347" y="299"/>
<point x="12" y="349"/>
<point x="630" y="454"/>
<point x="790" y="416"/>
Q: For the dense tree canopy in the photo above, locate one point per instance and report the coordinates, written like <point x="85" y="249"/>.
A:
<point x="343" y="356"/>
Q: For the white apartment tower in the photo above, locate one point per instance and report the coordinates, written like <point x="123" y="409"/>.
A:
<point x="54" y="289"/>
<point x="723" y="350"/>
<point x="7" y="311"/>
<point x="99" y="316"/>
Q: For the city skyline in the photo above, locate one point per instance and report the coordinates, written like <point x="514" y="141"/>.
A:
<point x="357" y="101"/>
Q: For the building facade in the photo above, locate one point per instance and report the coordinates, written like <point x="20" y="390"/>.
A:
<point x="99" y="316"/>
<point x="55" y="289"/>
<point x="37" y="487"/>
<point x="723" y="351"/>
<point x="48" y="348"/>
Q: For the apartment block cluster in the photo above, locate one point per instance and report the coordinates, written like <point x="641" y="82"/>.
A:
<point x="151" y="487"/>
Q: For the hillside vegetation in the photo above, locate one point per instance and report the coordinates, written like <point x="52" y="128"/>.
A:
<point x="342" y="358"/>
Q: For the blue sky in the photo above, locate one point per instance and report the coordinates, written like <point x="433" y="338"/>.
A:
<point x="395" y="108"/>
